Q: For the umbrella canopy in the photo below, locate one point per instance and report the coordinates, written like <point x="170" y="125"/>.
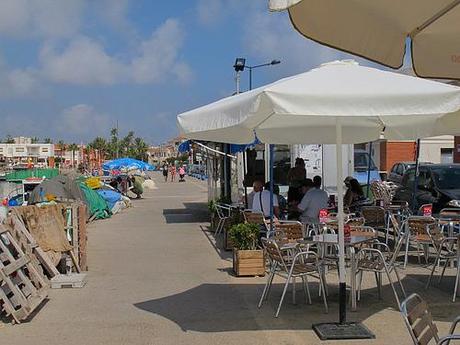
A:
<point x="126" y="163"/>
<point x="379" y="30"/>
<point x="304" y="108"/>
<point x="340" y="102"/>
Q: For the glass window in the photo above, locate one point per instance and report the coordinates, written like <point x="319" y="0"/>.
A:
<point x="400" y="169"/>
<point x="408" y="179"/>
<point x="447" y="177"/>
<point x="394" y="169"/>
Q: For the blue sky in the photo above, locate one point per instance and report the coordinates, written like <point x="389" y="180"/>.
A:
<point x="71" y="69"/>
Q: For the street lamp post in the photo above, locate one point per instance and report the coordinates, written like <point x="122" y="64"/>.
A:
<point x="273" y="62"/>
<point x="239" y="66"/>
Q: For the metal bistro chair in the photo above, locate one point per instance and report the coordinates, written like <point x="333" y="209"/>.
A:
<point x="375" y="217"/>
<point x="419" y="322"/>
<point x="450" y="219"/>
<point x="291" y="230"/>
<point x="416" y="233"/>
<point x="447" y="249"/>
<point x="256" y="218"/>
<point x="380" y="261"/>
<point x="302" y="265"/>
<point x="223" y="213"/>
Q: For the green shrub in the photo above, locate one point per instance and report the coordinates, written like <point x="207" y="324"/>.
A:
<point x="244" y="236"/>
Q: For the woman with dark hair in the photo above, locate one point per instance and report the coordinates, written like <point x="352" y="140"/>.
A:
<point x="354" y="192"/>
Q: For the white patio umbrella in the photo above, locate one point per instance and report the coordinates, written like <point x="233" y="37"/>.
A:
<point x="339" y="102"/>
<point x="379" y="30"/>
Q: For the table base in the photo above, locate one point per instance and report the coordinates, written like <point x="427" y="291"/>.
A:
<point x="338" y="331"/>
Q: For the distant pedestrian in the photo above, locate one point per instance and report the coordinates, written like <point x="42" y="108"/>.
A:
<point x="172" y="171"/>
<point x="165" y="172"/>
<point x="181" y="174"/>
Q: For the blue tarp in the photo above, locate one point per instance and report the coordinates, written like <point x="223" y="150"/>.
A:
<point x="234" y="148"/>
<point x="110" y="196"/>
<point x="126" y="163"/>
<point x="184" y="147"/>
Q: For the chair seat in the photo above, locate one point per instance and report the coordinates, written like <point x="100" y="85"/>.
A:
<point x="303" y="269"/>
<point x="373" y="265"/>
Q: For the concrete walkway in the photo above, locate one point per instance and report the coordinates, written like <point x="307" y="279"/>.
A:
<point x="155" y="278"/>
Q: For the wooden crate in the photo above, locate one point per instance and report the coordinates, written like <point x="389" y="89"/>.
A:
<point x="248" y="262"/>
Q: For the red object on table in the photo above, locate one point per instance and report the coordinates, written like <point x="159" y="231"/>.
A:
<point x="427" y="210"/>
<point x="323" y="215"/>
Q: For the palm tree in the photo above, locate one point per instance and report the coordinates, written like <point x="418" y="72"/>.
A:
<point x="73" y="147"/>
<point x="62" y="147"/>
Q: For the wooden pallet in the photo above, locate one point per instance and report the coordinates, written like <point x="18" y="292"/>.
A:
<point x="30" y="246"/>
<point x="22" y="287"/>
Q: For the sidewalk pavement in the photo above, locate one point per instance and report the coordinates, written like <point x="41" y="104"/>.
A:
<point x="156" y="278"/>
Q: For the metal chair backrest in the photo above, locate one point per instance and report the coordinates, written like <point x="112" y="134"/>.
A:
<point x="450" y="213"/>
<point x="419" y="225"/>
<point x="221" y="211"/>
<point x="373" y="215"/>
<point x="291" y="230"/>
<point x="418" y="320"/>
<point x="274" y="252"/>
<point x="254" y="217"/>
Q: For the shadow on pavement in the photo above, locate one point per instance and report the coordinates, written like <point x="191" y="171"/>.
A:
<point x="193" y="212"/>
<point x="233" y="307"/>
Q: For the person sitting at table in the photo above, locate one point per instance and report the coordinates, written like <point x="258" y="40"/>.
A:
<point x="354" y="193"/>
<point x="261" y="202"/>
<point x="257" y="186"/>
<point x="314" y="200"/>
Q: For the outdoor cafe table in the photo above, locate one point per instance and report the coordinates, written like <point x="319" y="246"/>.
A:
<point x="351" y="242"/>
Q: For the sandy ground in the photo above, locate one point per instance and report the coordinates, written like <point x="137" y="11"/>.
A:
<point x="156" y="278"/>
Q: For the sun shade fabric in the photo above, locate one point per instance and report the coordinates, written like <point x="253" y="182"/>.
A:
<point x="379" y="29"/>
<point x="126" y="163"/>
<point x="305" y="109"/>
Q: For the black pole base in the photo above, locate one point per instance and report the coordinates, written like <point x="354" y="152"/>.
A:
<point x="342" y="302"/>
<point x="342" y="331"/>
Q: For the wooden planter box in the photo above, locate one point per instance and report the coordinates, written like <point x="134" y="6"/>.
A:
<point x="248" y="262"/>
<point x="228" y="245"/>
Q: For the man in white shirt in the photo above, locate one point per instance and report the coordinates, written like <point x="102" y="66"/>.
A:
<point x="312" y="202"/>
<point x="257" y="186"/>
<point x="261" y="203"/>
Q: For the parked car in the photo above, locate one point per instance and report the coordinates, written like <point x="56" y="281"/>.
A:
<point x="361" y="167"/>
<point x="397" y="171"/>
<point x="438" y="184"/>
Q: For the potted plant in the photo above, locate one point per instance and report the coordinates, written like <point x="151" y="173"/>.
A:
<point x="248" y="260"/>
<point x="212" y="212"/>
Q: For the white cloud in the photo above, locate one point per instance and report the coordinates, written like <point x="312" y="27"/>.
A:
<point x="209" y="12"/>
<point x="85" y="61"/>
<point x="17" y="82"/>
<point x="82" y="120"/>
<point x="271" y="36"/>
<point x="43" y="18"/>
<point x="159" y="54"/>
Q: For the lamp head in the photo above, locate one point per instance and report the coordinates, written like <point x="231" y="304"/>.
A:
<point x="239" y="64"/>
<point x="275" y="62"/>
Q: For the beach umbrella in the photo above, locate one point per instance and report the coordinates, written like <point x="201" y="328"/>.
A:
<point x="379" y="30"/>
<point x="126" y="163"/>
<point x="337" y="103"/>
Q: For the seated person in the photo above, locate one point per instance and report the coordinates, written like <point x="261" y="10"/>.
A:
<point x="261" y="203"/>
<point x="282" y="202"/>
<point x="354" y="193"/>
<point x="314" y="200"/>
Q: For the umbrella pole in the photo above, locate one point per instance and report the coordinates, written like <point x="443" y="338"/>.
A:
<point x="342" y="329"/>
<point x="342" y="281"/>
<point x="369" y="169"/>
<point x="414" y="194"/>
<point x="270" y="161"/>
<point x="244" y="180"/>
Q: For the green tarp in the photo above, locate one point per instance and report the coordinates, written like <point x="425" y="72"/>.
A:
<point x="98" y="207"/>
